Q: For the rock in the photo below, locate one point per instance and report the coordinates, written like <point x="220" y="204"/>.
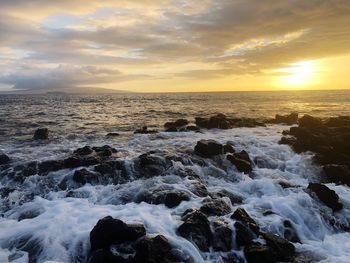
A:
<point x="145" y="130"/>
<point x="104" y="151"/>
<point x="192" y="128"/>
<point x="290" y="233"/>
<point x="341" y="121"/>
<point x="181" y="122"/>
<point x="107" y="167"/>
<point x="153" y="250"/>
<point x="326" y="195"/>
<point x="72" y="162"/>
<point x="258" y="253"/>
<point x="4" y="159"/>
<point x="242" y="161"/>
<point x="30" y="169"/>
<point x="150" y="165"/>
<point x="86" y="150"/>
<point x="171" y="198"/>
<point x="235" y="199"/>
<point x="105" y="256"/>
<point x="244" y="236"/>
<point x="241" y="215"/>
<point x="281" y="247"/>
<point x="208" y="148"/>
<point x="217" y="207"/>
<point x="112" y="134"/>
<point x="228" y="148"/>
<point x="196" y="228"/>
<point x="41" y="134"/>
<point x="337" y="173"/>
<point x="171" y="129"/>
<point x="109" y="231"/>
<point x="84" y="176"/>
<point x="50" y="166"/>
<point x="310" y="122"/>
<point x="285" y="119"/>
<point x="174" y="198"/>
<point x="222" y="236"/>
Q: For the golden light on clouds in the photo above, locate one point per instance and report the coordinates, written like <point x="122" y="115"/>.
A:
<point x="298" y="75"/>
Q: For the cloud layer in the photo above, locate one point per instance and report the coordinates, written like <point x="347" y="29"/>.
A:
<point x="45" y="44"/>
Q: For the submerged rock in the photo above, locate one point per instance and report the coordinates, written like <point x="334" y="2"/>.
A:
<point x="109" y="231"/>
<point x="4" y="159"/>
<point x="41" y="134"/>
<point x="326" y="195"/>
<point x="208" y="148"/>
<point x="196" y="228"/>
<point x="242" y="161"/>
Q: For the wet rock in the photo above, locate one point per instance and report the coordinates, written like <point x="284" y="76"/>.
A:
<point x="244" y="236"/>
<point x="86" y="150"/>
<point x="235" y="199"/>
<point x="106" y="256"/>
<point x="50" y="166"/>
<point x="30" y="169"/>
<point x="84" y="176"/>
<point x="181" y="122"/>
<point x="104" y="151"/>
<point x="217" y="207"/>
<point x="326" y="195"/>
<point x="192" y="128"/>
<point x="222" y="236"/>
<point x="109" y="231"/>
<point x="171" y="129"/>
<point x="308" y="121"/>
<point x="241" y="215"/>
<point x="290" y="233"/>
<point x="72" y="162"/>
<point x="108" y="167"/>
<point x="153" y="250"/>
<point x="281" y="247"/>
<point x="285" y="119"/>
<point x="145" y="130"/>
<point x="112" y="134"/>
<point x="41" y="134"/>
<point x="196" y="228"/>
<point x="150" y="165"/>
<point x="242" y="161"/>
<point x="171" y="198"/>
<point x="174" y="198"/>
<point x="4" y="159"/>
<point x="258" y="253"/>
<point x="208" y="148"/>
<point x="337" y="173"/>
<point x="228" y="148"/>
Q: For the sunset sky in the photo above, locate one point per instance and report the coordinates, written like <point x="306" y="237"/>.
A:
<point x="175" y="45"/>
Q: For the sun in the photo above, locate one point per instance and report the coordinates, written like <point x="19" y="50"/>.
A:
<point x="298" y="75"/>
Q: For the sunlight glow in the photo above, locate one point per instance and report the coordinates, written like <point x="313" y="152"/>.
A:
<point x="300" y="74"/>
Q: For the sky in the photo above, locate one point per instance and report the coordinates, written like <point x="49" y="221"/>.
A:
<point x="175" y="45"/>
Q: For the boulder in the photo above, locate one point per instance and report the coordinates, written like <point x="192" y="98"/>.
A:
<point x="171" y="129"/>
<point x="281" y="247"/>
<point x="149" y="165"/>
<point x="109" y="231"/>
<point x="285" y="119"/>
<point x="290" y="233"/>
<point x="181" y="122"/>
<point x="112" y="134"/>
<point x="326" y="196"/>
<point x="241" y="215"/>
<point x="208" y="148"/>
<point x="145" y="130"/>
<point x="105" y="256"/>
<point x="4" y="159"/>
<point x="196" y="228"/>
<point x="308" y="121"/>
<point x="153" y="250"/>
<point x="171" y="198"/>
<point x="337" y="173"/>
<point x="84" y="176"/>
<point x="41" y="134"/>
<point x="215" y="207"/>
<point x="86" y="150"/>
<point x="72" y="162"/>
<point x="258" y="253"/>
<point x="192" y="128"/>
<point x="244" y="235"/>
<point x="222" y="236"/>
<point x="104" y="151"/>
<point x="228" y="148"/>
<point x="50" y="166"/>
<point x="242" y="161"/>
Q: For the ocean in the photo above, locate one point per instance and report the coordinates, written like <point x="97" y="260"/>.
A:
<point x="48" y="218"/>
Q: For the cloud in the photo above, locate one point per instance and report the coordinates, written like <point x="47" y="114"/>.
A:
<point x="148" y="38"/>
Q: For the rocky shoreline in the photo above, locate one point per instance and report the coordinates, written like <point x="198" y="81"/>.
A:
<point x="214" y="226"/>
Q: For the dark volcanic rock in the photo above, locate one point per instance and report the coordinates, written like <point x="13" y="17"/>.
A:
<point x="244" y="236"/>
<point x="281" y="247"/>
<point x="181" y="122"/>
<point x="174" y="198"/>
<point x="149" y="165"/>
<point x="208" y="148"/>
<point x="222" y="236"/>
<point x="105" y="256"/>
<point x="241" y="215"/>
<point x="235" y="199"/>
<point x="242" y="161"/>
<point x="285" y="119"/>
<point x="112" y="134"/>
<point x="228" y="148"/>
<point x="326" y="195"/>
<point x="258" y="253"/>
<point x="337" y="173"/>
<point x="308" y="121"/>
<point x="196" y="228"/>
<point x="171" y="129"/>
<point x="290" y="233"/>
<point x="84" y="176"/>
<point x="41" y="134"/>
<point x="50" y="166"/>
<point x="153" y="250"/>
<point x="4" y="159"/>
<point x="86" y="150"/>
<point x="171" y="198"/>
<point x="216" y="207"/>
<point x="104" y="151"/>
<point x="145" y="130"/>
<point x="72" y="162"/>
<point x="109" y="231"/>
<point x="192" y="128"/>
